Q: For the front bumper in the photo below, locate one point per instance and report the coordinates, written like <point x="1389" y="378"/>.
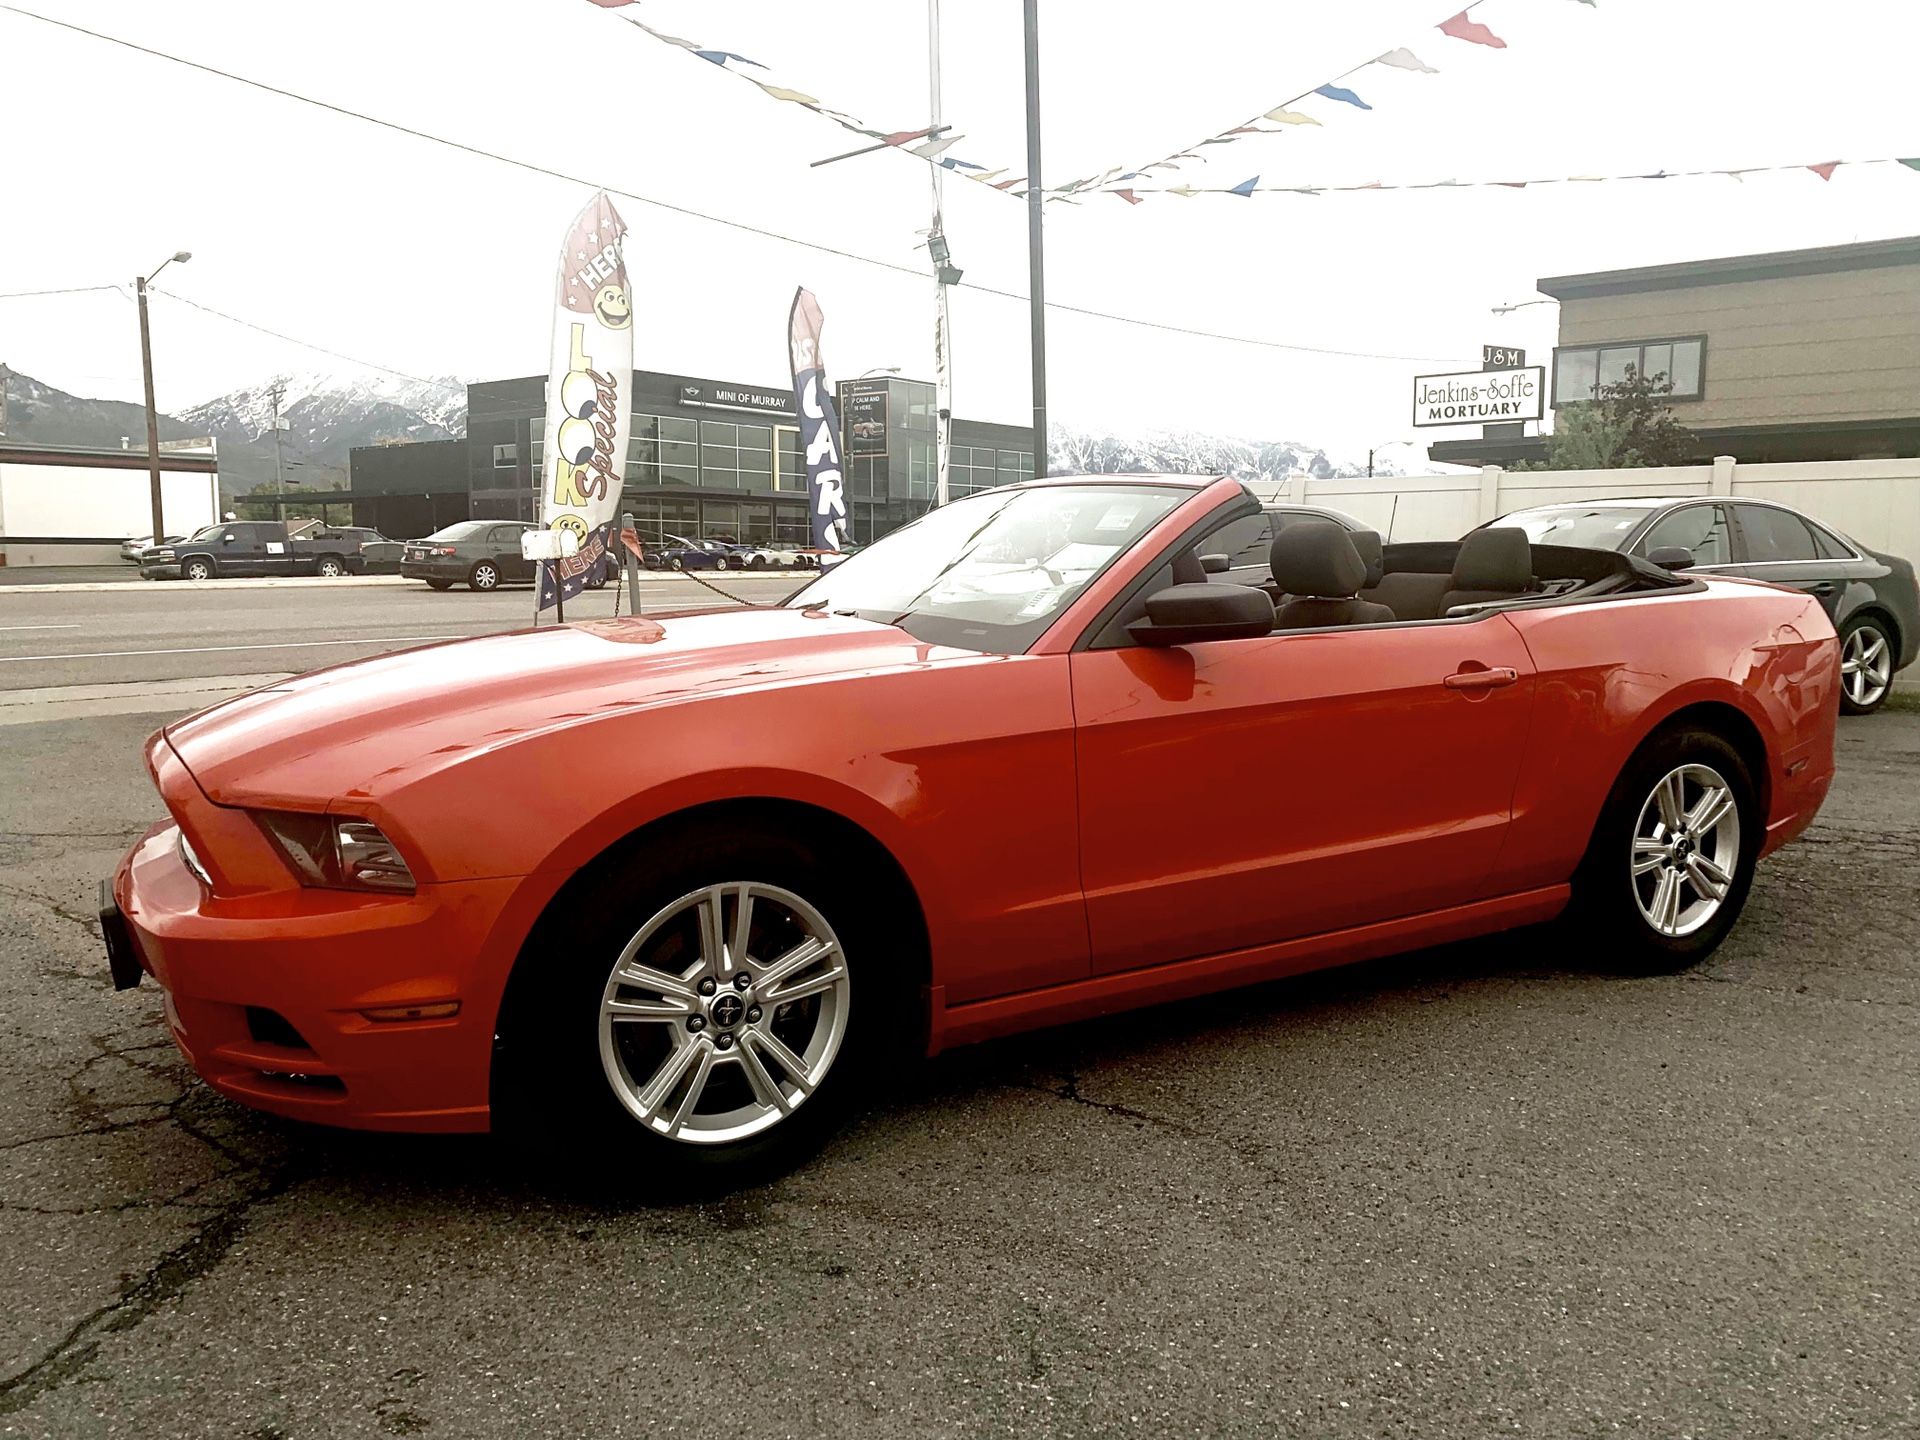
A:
<point x="168" y="570"/>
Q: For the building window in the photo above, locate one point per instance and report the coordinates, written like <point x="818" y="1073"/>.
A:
<point x="971" y="469"/>
<point x="1578" y="370"/>
<point x="663" y="451"/>
<point x="792" y="525"/>
<point x="538" y="450"/>
<point x="720" y="520"/>
<point x="868" y="475"/>
<point x="1015" y="466"/>
<point x="921" y="469"/>
<point x="506" y="457"/>
<point x="792" y="457"/>
<point x="739" y="457"/>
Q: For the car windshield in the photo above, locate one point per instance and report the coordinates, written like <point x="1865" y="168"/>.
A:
<point x="991" y="572"/>
<point x="207" y="532"/>
<point x="465" y="530"/>
<point x="1591" y="527"/>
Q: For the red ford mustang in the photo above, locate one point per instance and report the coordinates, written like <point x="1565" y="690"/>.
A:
<point x="676" y="888"/>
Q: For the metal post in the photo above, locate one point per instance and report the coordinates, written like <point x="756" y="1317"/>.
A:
<point x="153" y="417"/>
<point x="278" y="392"/>
<point x="630" y="563"/>
<point x="942" y="319"/>
<point x="1036" y="264"/>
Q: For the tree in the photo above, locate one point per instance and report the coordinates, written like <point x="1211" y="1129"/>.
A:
<point x="1626" y="425"/>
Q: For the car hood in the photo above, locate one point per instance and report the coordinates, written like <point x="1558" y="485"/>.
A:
<point x="361" y="730"/>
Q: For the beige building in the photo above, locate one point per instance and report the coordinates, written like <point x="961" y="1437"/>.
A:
<point x="1794" y="355"/>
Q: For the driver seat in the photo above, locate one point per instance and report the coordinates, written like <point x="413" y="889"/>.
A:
<point x="1316" y="563"/>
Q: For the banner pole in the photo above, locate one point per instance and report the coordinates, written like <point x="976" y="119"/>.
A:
<point x="1036" y="263"/>
<point x="630" y="562"/>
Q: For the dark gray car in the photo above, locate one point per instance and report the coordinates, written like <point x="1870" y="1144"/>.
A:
<point x="1872" y="598"/>
<point x="484" y="554"/>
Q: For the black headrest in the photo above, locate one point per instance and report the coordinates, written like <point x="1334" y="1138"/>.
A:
<point x="1316" y="557"/>
<point x="1367" y="544"/>
<point x="1187" y="569"/>
<point x="1495" y="559"/>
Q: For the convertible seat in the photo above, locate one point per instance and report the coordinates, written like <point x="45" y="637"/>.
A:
<point x="1493" y="564"/>
<point x="1410" y="594"/>
<point x="1372" y="555"/>
<point x="1316" y="563"/>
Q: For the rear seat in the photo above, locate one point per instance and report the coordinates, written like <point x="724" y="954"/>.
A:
<point x="1410" y="594"/>
<point x="1493" y="564"/>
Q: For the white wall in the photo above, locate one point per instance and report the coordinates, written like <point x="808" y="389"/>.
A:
<point x="1877" y="502"/>
<point x="79" y="500"/>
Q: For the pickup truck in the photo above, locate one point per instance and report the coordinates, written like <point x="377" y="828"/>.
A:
<point x="253" y="547"/>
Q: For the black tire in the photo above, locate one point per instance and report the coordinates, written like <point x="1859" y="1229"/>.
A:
<point x="721" y="562"/>
<point x="439" y="584"/>
<point x="675" y="563"/>
<point x="484" y="576"/>
<point x="1606" y="914"/>
<point x="330" y="567"/>
<point x="554" y="1094"/>
<point x="199" y="568"/>
<point x="759" y="562"/>
<point x="1860" y="634"/>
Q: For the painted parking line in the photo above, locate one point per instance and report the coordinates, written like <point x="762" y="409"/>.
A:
<point x="39" y="627"/>
<point x="223" y="649"/>
<point x="137" y="697"/>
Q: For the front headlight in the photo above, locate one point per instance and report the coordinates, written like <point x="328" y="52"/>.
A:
<point x="162" y="552"/>
<point x="336" y="852"/>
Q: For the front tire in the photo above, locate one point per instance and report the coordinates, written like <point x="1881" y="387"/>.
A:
<point x="485" y="575"/>
<point x="197" y="570"/>
<point x="1866" y="665"/>
<point x="1672" y="859"/>
<point x="720" y="562"/>
<point x="664" y="1041"/>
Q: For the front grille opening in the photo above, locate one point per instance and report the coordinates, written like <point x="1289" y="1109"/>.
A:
<point x="270" y="1027"/>
<point x="306" y="1082"/>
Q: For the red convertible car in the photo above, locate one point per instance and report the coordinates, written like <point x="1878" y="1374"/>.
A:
<point x="677" y="889"/>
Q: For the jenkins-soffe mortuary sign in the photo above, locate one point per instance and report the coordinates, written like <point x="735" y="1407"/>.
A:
<point x="1476" y="397"/>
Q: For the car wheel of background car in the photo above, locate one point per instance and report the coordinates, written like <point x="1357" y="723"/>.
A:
<point x="1673" y="855"/>
<point x="702" y="1012"/>
<point x="674" y="562"/>
<point x="484" y="576"/>
<point x="759" y="562"/>
<point x="197" y="569"/>
<point x="330" y="566"/>
<point x="720" y="562"/>
<point x="439" y="584"/>
<point x="1866" y="665"/>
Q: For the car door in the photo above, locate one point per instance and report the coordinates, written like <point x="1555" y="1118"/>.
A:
<point x="1703" y="528"/>
<point x="246" y="552"/>
<point x="1241" y="792"/>
<point x="504" y="546"/>
<point x="1781" y="547"/>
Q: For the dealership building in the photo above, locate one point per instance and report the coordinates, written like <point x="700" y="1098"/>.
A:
<point x="1794" y="355"/>
<point x="708" y="459"/>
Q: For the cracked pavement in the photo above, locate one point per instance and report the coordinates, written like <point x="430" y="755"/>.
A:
<point x="1471" y="1191"/>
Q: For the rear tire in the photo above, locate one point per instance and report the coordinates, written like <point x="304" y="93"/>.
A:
<point x="1667" y="874"/>
<point x="484" y="576"/>
<point x="439" y="584"/>
<point x="331" y="567"/>
<point x="1866" y="665"/>
<point x="583" y="1057"/>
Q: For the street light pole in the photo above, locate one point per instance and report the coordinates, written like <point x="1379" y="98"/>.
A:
<point x="153" y="414"/>
<point x="936" y="244"/>
<point x="1036" y="261"/>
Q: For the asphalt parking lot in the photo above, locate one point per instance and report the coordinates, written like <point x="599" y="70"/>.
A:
<point x="1469" y="1192"/>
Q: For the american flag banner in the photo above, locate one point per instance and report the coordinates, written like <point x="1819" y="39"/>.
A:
<point x="589" y="398"/>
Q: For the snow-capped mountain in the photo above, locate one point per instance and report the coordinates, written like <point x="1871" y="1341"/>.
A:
<point x="1186" y="452"/>
<point x="333" y="412"/>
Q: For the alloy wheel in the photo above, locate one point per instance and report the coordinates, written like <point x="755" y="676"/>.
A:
<point x="1686" y="850"/>
<point x="1866" y="666"/>
<point x="331" y="568"/>
<point x="724" y="1012"/>
<point x="199" y="570"/>
<point x="485" y="577"/>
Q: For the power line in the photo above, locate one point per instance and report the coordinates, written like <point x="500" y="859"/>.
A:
<point x="308" y="344"/>
<point x="70" y="290"/>
<point x="571" y="179"/>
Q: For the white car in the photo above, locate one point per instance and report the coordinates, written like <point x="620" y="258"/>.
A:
<point x="131" y="549"/>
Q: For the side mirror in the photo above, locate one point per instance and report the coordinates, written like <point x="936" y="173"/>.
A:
<point x="1216" y="564"/>
<point x="1671" y="557"/>
<point x="227" y="539"/>
<point x="1188" y="614"/>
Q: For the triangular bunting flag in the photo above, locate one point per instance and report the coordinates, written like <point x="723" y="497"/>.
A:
<point x="1334" y="92"/>
<point x="1289" y="117"/>
<point x="720" y="57"/>
<point x="1008" y="184"/>
<point x="953" y="164"/>
<point x="1126" y="195"/>
<point x="1184" y="191"/>
<point x="1512" y="184"/>
<point x="1912" y="164"/>
<point x="1405" y="59"/>
<point x="1245" y="187"/>
<point x="931" y="148"/>
<point x="901" y="137"/>
<point x="1472" y="31"/>
<point x="780" y="92"/>
<point x="1226" y="139"/>
<point x="988" y="174"/>
<point x="1825" y="171"/>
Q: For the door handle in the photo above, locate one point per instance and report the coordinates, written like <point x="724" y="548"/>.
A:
<point x="1822" y="587"/>
<point x="1482" y="679"/>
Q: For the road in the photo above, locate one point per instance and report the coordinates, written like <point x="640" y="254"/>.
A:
<point x="171" y="631"/>
<point x="1477" y="1191"/>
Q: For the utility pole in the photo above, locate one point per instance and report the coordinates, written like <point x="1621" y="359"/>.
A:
<point x="937" y="248"/>
<point x="278" y="392"/>
<point x="153" y="414"/>
<point x="5" y="375"/>
<point x="1036" y="262"/>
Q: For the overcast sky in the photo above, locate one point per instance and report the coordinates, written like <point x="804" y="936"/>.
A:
<point x="418" y="257"/>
